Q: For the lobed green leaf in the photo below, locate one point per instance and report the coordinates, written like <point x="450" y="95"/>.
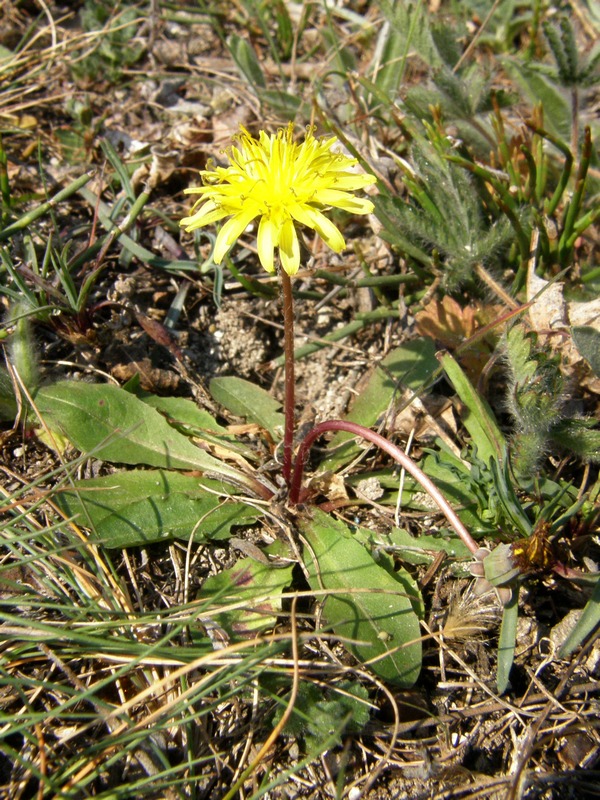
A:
<point x="116" y="426"/>
<point x="250" y="402"/>
<point x="255" y="588"/>
<point x="141" y="507"/>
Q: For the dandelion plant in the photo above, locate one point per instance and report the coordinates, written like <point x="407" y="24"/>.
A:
<point x="285" y="184"/>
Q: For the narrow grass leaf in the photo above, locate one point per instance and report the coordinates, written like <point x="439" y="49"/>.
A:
<point x="478" y="417"/>
<point x="588" y="622"/>
<point x="105" y="213"/>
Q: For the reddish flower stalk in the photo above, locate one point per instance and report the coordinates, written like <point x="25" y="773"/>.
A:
<point x="290" y="381"/>
<point x="391" y="449"/>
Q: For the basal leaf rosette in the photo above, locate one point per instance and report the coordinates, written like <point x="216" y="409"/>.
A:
<point x="283" y="183"/>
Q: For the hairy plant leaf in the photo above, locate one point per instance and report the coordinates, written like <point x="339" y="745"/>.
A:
<point x="406" y="367"/>
<point x="387" y="210"/>
<point x="580" y="436"/>
<point x="116" y="426"/>
<point x="255" y="588"/>
<point x="367" y="607"/>
<point x="8" y="401"/>
<point x="145" y="506"/>
<point x="538" y="89"/>
<point x="250" y="402"/>
<point x="324" y="713"/>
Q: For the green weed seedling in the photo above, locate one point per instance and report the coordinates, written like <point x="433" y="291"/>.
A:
<point x="112" y="28"/>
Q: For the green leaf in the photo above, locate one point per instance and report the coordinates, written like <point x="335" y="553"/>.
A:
<point x="284" y="28"/>
<point x="387" y="211"/>
<point x="285" y="104"/>
<point x="8" y="401"/>
<point x="116" y="426"/>
<point x="72" y="145"/>
<point x="557" y="113"/>
<point x="587" y="341"/>
<point x="407" y="367"/>
<point x="454" y="480"/>
<point x="507" y="641"/>
<point x="580" y="436"/>
<point x="416" y="549"/>
<point x="379" y="624"/>
<point x="588" y="621"/>
<point x="145" y="506"/>
<point x="257" y="590"/>
<point x="246" y="400"/>
<point x="184" y="413"/>
<point x="105" y="215"/>
<point x="247" y="62"/>
<point x="322" y="714"/>
<point x="477" y="417"/>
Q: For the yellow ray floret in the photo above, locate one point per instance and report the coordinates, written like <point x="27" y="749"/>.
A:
<point x="283" y="183"/>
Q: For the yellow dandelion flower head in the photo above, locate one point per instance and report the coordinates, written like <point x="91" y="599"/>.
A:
<point x="283" y="183"/>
